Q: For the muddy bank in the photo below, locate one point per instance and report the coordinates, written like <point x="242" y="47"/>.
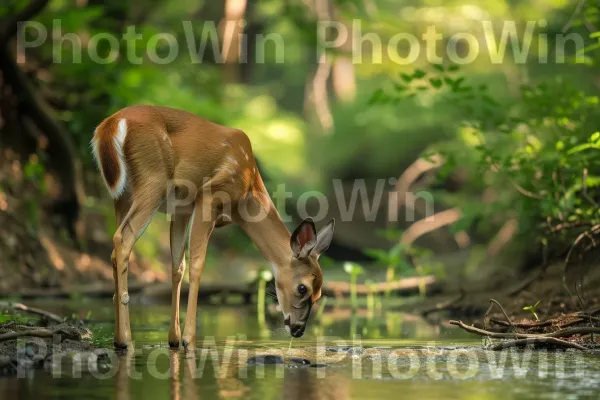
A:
<point x="27" y="344"/>
<point x="524" y="301"/>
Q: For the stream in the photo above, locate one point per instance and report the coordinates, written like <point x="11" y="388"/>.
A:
<point x="363" y="355"/>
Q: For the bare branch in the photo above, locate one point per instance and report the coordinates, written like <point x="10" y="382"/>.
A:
<point x="503" y="237"/>
<point x="409" y="176"/>
<point x="426" y="225"/>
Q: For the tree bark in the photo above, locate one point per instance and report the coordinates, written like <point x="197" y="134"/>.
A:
<point x="60" y="150"/>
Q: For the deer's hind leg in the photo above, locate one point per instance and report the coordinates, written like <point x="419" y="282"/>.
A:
<point x="146" y="200"/>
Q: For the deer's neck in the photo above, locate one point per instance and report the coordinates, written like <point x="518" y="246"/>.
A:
<point x="267" y="231"/>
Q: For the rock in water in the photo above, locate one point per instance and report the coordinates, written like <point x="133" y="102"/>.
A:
<point x="265" y="360"/>
<point x="298" y="361"/>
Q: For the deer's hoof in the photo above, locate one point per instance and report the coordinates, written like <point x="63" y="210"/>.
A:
<point x="121" y="345"/>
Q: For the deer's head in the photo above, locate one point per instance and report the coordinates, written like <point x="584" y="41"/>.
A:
<point x="298" y="284"/>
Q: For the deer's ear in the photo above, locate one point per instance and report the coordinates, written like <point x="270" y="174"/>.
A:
<point x="324" y="238"/>
<point x="304" y="239"/>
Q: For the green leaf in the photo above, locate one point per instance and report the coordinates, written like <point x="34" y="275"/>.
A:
<point x="406" y="78"/>
<point x="439" y="67"/>
<point x="378" y="254"/>
<point x="353" y="268"/>
<point x="489" y="100"/>
<point x="376" y="97"/>
<point x="436" y="82"/>
<point x="419" y="73"/>
<point x="582" y="147"/>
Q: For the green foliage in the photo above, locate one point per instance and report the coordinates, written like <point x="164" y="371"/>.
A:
<point x="532" y="309"/>
<point x="353" y="269"/>
<point x="406" y="260"/>
<point x="536" y="153"/>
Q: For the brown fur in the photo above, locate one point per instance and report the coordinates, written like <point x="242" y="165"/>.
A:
<point x="164" y="146"/>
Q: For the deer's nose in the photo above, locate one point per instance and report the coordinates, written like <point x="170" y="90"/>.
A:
<point x="297" y="330"/>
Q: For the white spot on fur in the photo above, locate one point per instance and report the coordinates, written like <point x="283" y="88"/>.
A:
<point x="245" y="153"/>
<point x="125" y="298"/>
<point x="232" y="161"/>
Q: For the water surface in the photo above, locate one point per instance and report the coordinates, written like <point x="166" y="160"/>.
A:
<point x="364" y="355"/>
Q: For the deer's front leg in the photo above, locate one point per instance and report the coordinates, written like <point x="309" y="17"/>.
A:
<point x="179" y="228"/>
<point x="202" y="227"/>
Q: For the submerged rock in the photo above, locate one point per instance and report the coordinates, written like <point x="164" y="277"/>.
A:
<point x="318" y="365"/>
<point x="346" y="349"/>
<point x="267" y="359"/>
<point x="298" y="361"/>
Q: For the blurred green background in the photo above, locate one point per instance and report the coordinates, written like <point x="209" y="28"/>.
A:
<point x="506" y="150"/>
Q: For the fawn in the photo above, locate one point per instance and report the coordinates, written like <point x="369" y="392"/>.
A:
<point x="150" y="157"/>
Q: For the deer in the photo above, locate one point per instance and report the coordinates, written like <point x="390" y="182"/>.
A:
<point x="151" y="157"/>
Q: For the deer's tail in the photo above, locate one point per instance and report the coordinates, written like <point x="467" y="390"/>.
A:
<point x="108" y="149"/>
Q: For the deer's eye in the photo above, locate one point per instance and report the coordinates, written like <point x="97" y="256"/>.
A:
<point x="302" y="290"/>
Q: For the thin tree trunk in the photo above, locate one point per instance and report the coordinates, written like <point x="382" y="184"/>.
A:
<point x="232" y="27"/>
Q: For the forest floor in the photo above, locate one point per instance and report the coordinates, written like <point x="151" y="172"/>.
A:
<point x="26" y="345"/>
<point x="519" y="297"/>
<point x="36" y="250"/>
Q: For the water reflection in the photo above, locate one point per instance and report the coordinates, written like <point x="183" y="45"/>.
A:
<point x="157" y="372"/>
<point x="306" y="384"/>
<point x="187" y="381"/>
<point x="122" y="376"/>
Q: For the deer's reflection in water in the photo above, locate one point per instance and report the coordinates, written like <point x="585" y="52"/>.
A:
<point x="190" y="378"/>
<point x="308" y="384"/>
<point x="123" y="376"/>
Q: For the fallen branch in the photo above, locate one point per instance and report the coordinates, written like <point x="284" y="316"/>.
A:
<point x="404" y="286"/>
<point x="32" y="310"/>
<point x="514" y="335"/>
<point x="492" y="303"/>
<point x="494" y="335"/>
<point x="94" y="290"/>
<point x="571" y="319"/>
<point x="531" y="341"/>
<point x="42" y="333"/>
<point x="401" y="286"/>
